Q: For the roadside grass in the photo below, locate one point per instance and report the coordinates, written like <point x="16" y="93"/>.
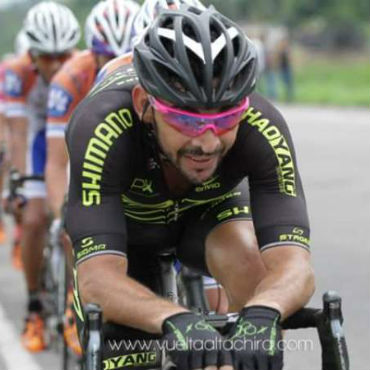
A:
<point x="327" y="79"/>
<point x="333" y="80"/>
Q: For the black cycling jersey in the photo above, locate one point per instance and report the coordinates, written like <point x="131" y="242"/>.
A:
<point x="118" y="196"/>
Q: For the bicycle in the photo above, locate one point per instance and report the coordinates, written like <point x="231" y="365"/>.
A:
<point x="328" y="321"/>
<point x="53" y="277"/>
<point x="58" y="278"/>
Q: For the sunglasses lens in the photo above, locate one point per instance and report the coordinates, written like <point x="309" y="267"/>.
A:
<point x="195" y="124"/>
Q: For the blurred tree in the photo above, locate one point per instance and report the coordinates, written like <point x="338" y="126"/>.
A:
<point x="342" y="23"/>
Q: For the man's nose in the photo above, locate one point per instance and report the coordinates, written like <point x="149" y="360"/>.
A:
<point x="209" y="142"/>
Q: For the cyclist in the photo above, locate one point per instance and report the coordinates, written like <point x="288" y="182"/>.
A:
<point x="20" y="48"/>
<point x="3" y="149"/>
<point x="72" y="82"/>
<point x="69" y="86"/>
<point x="53" y="32"/>
<point x="148" y="12"/>
<point x="177" y="152"/>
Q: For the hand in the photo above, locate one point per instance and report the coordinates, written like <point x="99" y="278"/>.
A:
<point x="255" y="337"/>
<point x="14" y="205"/>
<point x="191" y="343"/>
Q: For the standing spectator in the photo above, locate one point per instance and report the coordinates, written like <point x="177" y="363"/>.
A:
<point x="269" y="82"/>
<point x="285" y="68"/>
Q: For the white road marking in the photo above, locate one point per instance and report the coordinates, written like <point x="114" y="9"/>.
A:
<point x="11" y="351"/>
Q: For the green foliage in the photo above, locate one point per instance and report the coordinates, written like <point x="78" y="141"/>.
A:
<point x="333" y="80"/>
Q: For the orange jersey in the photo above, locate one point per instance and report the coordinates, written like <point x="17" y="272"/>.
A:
<point x="113" y="65"/>
<point x="68" y="87"/>
<point x="2" y="75"/>
<point x="25" y="92"/>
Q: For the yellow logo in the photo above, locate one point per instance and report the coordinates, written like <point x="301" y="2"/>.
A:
<point x="143" y="185"/>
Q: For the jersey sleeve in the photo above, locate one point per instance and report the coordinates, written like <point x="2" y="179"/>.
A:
<point x="63" y="98"/>
<point x="15" y="90"/>
<point x="100" y="151"/>
<point x="277" y="197"/>
<point x="2" y="105"/>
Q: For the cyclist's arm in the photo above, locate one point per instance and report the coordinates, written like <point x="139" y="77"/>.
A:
<point x="15" y="100"/>
<point x="123" y="300"/>
<point x="4" y="140"/>
<point x="289" y="282"/>
<point x="56" y="173"/>
<point x="279" y="211"/>
<point x="18" y="128"/>
<point x="63" y="97"/>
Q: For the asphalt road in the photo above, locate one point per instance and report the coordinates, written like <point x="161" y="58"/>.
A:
<point x="333" y="151"/>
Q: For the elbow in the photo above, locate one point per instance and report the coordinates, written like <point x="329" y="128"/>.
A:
<point x="311" y="281"/>
<point x="88" y="287"/>
<point x="308" y="284"/>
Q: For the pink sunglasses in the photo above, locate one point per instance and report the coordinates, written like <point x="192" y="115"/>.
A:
<point x="195" y="124"/>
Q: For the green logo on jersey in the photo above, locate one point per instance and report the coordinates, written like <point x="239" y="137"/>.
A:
<point x="208" y="185"/>
<point x="285" y="169"/>
<point x="87" y="242"/>
<point x="143" y="185"/>
<point x="106" y="133"/>
<point x="88" y="247"/>
<point x="235" y="211"/>
<point x="130" y="360"/>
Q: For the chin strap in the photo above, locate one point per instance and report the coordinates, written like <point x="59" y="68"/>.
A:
<point x="152" y="133"/>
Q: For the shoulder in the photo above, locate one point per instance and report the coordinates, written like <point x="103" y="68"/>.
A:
<point x="76" y="71"/>
<point x="264" y="134"/>
<point x="19" y="75"/>
<point x="109" y="109"/>
<point x="22" y="66"/>
<point x="71" y="84"/>
<point x="261" y="108"/>
<point x="81" y="61"/>
<point x="115" y="64"/>
<point x="263" y="119"/>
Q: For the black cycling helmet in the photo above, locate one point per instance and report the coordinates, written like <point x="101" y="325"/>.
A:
<point x="196" y="59"/>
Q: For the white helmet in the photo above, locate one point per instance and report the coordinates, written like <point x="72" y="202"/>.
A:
<point x="51" y="28"/>
<point x="150" y="9"/>
<point x="108" y="27"/>
<point x="21" y="43"/>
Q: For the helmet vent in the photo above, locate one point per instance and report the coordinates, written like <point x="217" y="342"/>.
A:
<point x="236" y="45"/>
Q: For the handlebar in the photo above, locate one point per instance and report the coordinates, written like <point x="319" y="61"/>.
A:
<point x="16" y="181"/>
<point x="328" y="322"/>
<point x="93" y="338"/>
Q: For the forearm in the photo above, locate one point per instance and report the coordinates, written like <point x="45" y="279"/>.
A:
<point x="288" y="284"/>
<point x="56" y="174"/>
<point x="56" y="183"/>
<point x="3" y="145"/>
<point x="2" y="128"/>
<point x="18" y="144"/>
<point x="127" y="302"/>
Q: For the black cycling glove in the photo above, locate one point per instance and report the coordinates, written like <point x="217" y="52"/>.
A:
<point x="192" y="343"/>
<point x="255" y="339"/>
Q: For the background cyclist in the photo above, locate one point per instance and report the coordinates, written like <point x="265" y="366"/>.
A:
<point x="108" y="33"/>
<point x="53" y="33"/>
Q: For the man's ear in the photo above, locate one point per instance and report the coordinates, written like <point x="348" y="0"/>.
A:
<point x="139" y="100"/>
